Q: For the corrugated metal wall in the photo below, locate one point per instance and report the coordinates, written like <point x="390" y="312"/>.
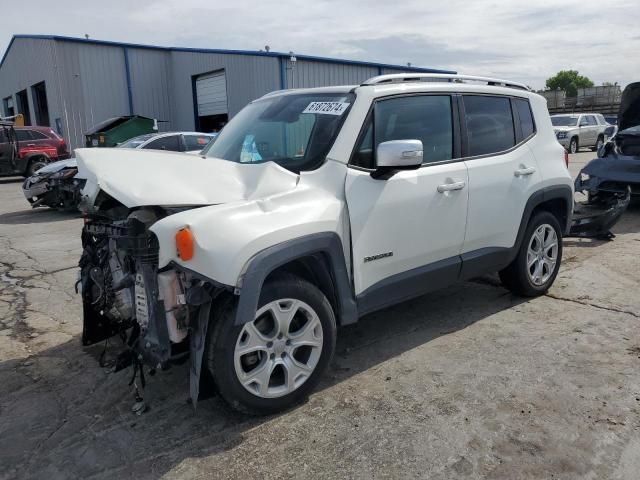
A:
<point x="87" y="82"/>
<point x="18" y="73"/>
<point x="306" y="74"/>
<point x="248" y="78"/>
<point x="151" y="85"/>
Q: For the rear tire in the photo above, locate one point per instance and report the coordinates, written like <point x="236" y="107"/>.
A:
<point x="599" y="143"/>
<point x="536" y="266"/>
<point x="289" y="345"/>
<point x="573" y="145"/>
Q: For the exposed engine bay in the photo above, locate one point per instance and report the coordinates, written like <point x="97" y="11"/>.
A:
<point x="124" y="293"/>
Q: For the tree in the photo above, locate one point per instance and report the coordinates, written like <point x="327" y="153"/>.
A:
<point x="569" y="81"/>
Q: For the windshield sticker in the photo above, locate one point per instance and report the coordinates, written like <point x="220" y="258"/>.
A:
<point x="327" y="108"/>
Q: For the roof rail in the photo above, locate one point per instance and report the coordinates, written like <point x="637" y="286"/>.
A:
<point x="444" y="77"/>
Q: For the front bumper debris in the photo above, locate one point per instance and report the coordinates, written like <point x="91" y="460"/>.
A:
<point x="597" y="218"/>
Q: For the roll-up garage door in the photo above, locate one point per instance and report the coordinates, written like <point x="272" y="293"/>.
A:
<point x="211" y="94"/>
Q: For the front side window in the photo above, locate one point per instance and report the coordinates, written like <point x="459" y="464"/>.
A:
<point x="295" y="131"/>
<point x="489" y="123"/>
<point x="170" y="143"/>
<point x="426" y="118"/>
<point x="525" y="116"/>
<point x="23" y="135"/>
<point x="135" y="142"/>
<point x="591" y="120"/>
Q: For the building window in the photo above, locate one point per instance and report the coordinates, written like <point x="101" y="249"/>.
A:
<point x="40" y="105"/>
<point x="9" y="111"/>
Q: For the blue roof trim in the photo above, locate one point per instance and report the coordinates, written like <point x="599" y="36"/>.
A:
<point x="310" y="58"/>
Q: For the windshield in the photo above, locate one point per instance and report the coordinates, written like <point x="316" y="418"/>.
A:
<point x="135" y="142"/>
<point x="296" y="131"/>
<point x="630" y="131"/>
<point x="564" y="121"/>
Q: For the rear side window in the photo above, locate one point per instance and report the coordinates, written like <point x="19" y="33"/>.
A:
<point x="170" y="143"/>
<point x="37" y="135"/>
<point x="426" y="118"/>
<point x="196" y="142"/>
<point x="525" y="116"/>
<point x="489" y="123"/>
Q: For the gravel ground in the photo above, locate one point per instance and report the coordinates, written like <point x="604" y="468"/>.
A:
<point x="469" y="382"/>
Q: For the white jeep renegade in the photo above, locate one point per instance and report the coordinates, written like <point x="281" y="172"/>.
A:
<point x="313" y="208"/>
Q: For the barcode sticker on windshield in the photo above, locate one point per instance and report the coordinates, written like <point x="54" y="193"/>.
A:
<point x="326" y="108"/>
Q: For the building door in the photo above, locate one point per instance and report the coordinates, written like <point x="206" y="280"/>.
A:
<point x="23" y="106"/>
<point x="40" y="105"/>
<point x="211" y="101"/>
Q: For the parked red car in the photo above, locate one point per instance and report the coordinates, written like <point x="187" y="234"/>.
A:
<point x="37" y="146"/>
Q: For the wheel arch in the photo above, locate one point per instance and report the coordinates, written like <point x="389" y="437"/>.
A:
<point x="318" y="258"/>
<point x="29" y="158"/>
<point x="557" y="200"/>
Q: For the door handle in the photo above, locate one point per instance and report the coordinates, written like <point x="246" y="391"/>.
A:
<point x="521" y="172"/>
<point x="31" y="144"/>
<point x="447" y="187"/>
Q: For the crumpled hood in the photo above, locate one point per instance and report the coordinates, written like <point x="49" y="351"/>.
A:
<point x="145" y="178"/>
<point x="57" y="166"/>
<point x="629" y="113"/>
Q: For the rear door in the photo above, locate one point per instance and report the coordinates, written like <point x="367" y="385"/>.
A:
<point x="502" y="176"/>
<point x="593" y="129"/>
<point x="410" y="225"/>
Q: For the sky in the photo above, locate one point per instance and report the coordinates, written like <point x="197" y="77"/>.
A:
<point x="526" y="41"/>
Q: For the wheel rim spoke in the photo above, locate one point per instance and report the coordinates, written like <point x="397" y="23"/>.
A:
<point x="295" y="370"/>
<point x="307" y="336"/>
<point x="255" y="341"/>
<point x="283" y="312"/>
<point x="260" y="376"/>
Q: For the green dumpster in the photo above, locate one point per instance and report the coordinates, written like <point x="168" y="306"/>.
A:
<point x="116" y="130"/>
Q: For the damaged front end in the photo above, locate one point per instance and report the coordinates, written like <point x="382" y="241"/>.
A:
<point x="54" y="186"/>
<point x="124" y="293"/>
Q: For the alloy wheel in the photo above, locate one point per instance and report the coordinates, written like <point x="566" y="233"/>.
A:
<point x="279" y="350"/>
<point x="542" y="254"/>
<point x="573" y="146"/>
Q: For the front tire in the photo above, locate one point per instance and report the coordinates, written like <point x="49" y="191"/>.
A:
<point x="274" y="361"/>
<point x="573" y="145"/>
<point x="536" y="266"/>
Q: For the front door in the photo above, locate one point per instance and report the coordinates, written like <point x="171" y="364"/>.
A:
<point x="407" y="230"/>
<point x="6" y="152"/>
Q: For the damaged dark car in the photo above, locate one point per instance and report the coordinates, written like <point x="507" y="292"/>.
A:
<point x="610" y="180"/>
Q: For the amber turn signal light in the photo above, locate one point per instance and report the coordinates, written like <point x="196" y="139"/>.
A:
<point x="184" y="244"/>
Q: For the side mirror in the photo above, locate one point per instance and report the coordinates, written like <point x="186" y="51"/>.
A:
<point x="397" y="155"/>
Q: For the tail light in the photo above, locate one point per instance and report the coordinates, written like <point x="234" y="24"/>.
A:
<point x="566" y="158"/>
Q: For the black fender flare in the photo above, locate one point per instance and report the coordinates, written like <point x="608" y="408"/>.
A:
<point x="561" y="192"/>
<point x="266" y="261"/>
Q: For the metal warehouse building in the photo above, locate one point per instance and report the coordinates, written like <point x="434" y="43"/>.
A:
<point x="72" y="84"/>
